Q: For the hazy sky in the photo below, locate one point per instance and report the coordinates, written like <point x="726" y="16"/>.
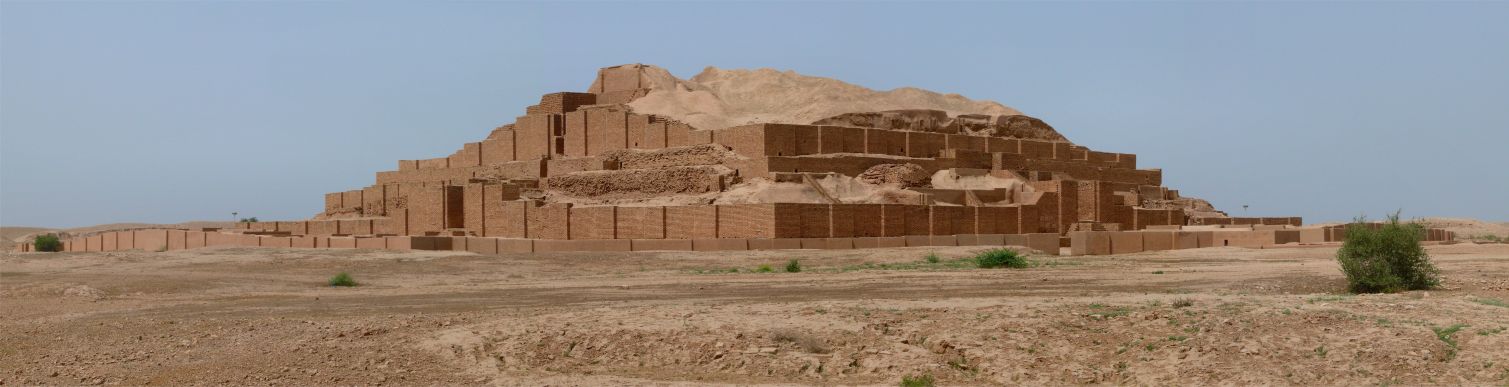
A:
<point x="175" y="111"/>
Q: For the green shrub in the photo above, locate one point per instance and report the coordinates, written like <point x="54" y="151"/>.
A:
<point x="1386" y="259"/>
<point x="764" y="269"/>
<point x="932" y="258"/>
<point x="342" y="279"/>
<point x="1000" y="258"/>
<point x="48" y="243"/>
<point x="917" y="381"/>
<point x="794" y="266"/>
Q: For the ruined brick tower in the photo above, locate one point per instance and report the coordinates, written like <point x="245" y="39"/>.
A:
<point x="587" y="166"/>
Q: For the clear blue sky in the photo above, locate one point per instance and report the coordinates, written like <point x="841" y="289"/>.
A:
<point x="175" y="111"/>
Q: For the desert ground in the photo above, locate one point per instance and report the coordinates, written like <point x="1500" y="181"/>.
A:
<point x="850" y="317"/>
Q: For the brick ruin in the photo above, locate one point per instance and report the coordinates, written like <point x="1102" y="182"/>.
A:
<point x="584" y="171"/>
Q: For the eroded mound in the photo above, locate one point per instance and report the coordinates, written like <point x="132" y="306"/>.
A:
<point x="902" y="175"/>
<point x="717" y="98"/>
<point x="923" y="120"/>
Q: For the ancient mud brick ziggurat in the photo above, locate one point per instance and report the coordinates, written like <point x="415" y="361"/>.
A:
<point x="583" y="171"/>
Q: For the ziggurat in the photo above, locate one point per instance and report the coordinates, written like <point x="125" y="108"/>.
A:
<point x="585" y="171"/>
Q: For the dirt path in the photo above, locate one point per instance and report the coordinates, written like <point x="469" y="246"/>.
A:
<point x="1207" y="316"/>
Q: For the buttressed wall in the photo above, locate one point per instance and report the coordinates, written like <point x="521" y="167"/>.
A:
<point x="587" y="166"/>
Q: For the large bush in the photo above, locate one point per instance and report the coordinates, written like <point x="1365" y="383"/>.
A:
<point x="48" y="242"/>
<point x="1386" y="258"/>
<point x="1000" y="258"/>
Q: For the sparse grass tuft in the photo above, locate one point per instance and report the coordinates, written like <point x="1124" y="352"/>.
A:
<point x="1328" y="298"/>
<point x="932" y="258"/>
<point x="1386" y="259"/>
<point x="794" y="266"/>
<point x="1444" y="334"/>
<point x="1158" y="272"/>
<point x="765" y="269"/>
<point x="923" y="380"/>
<point x="48" y="243"/>
<point x="1000" y="258"/>
<point x="1491" y="302"/>
<point x="342" y="279"/>
<point x="1321" y="351"/>
<point x="1491" y="332"/>
<point x="1183" y="303"/>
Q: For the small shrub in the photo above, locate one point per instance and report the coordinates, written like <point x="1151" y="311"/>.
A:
<point x="249" y="220"/>
<point x="794" y="266"/>
<point x="923" y="380"/>
<point x="1386" y="259"/>
<point x="765" y="269"/>
<point x="342" y="279"/>
<point x="48" y="243"/>
<point x="932" y="258"/>
<point x="1000" y="258"/>
<point x="1183" y="303"/>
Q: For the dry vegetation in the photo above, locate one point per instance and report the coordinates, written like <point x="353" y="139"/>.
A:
<point x="1207" y="316"/>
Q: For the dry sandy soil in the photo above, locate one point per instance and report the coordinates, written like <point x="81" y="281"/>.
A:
<point x="1207" y="316"/>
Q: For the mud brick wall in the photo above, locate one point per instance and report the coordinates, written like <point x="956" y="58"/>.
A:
<point x="374" y="200"/>
<point x="438" y="163"/>
<point x="965" y="142"/>
<point x="868" y="220"/>
<point x="698" y="137"/>
<point x="919" y="220"/>
<point x="177" y="239"/>
<point x="942" y="219"/>
<point x="924" y="144"/>
<point x="506" y="219"/>
<point x="534" y="135"/>
<point x="815" y="220"/>
<point x="745" y="221"/>
<point x="607" y="130"/>
<point x="564" y="102"/>
<point x="395" y="224"/>
<point x="593" y="222"/>
<point x="838" y="139"/>
<point x="323" y="227"/>
<point x="1003" y="145"/>
<point x="148" y="240"/>
<point x="556" y="167"/>
<point x="840" y="221"/>
<point x="893" y="219"/>
<point x="617" y="78"/>
<point x="550" y="221"/>
<point x="1008" y="161"/>
<point x="1028" y="219"/>
<point x="333" y="201"/>
<point x="691" y="222"/>
<point x="986" y="219"/>
<point x="885" y="142"/>
<point x="472" y="207"/>
<point x="677" y="134"/>
<point x="642" y="222"/>
<point x="299" y="228"/>
<point x="426" y="205"/>
<point x="638" y="124"/>
<point x="354" y="227"/>
<point x="498" y="148"/>
<point x="655" y="135"/>
<point x="1037" y="149"/>
<point x="1010" y="221"/>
